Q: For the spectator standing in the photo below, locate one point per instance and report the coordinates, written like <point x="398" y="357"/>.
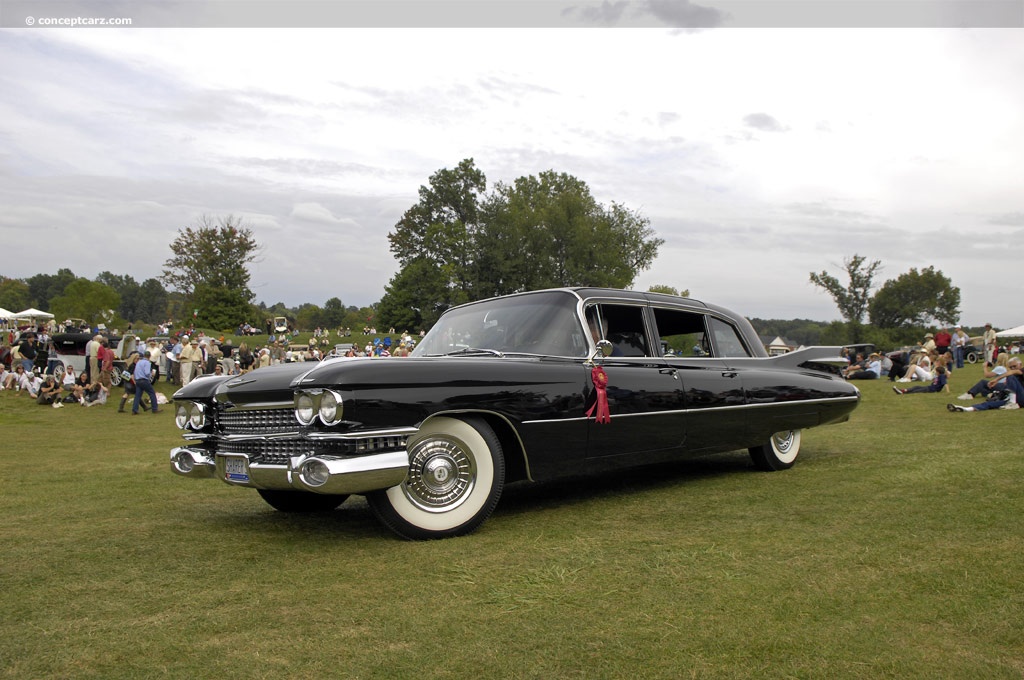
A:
<point x="187" y="360"/>
<point x="106" y="358"/>
<point x="960" y="342"/>
<point x="27" y="348"/>
<point x="143" y="375"/>
<point x="245" y="358"/>
<point x="174" y="371"/>
<point x="990" y="342"/>
<point x="129" y="383"/>
<point x="92" y="353"/>
<point x="943" y="340"/>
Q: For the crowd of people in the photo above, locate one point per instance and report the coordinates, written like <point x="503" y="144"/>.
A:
<point x="934" y="362"/>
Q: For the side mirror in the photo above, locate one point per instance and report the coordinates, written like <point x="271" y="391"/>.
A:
<point x="604" y="347"/>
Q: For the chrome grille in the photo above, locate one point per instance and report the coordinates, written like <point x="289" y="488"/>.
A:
<point x="257" y="421"/>
<point x="278" y="451"/>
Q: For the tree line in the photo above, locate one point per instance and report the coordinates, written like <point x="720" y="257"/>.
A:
<point x="462" y="241"/>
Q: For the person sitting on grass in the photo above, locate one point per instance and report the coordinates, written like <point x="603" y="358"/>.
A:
<point x="69" y="379"/>
<point x="16" y="379"/>
<point x="77" y="391"/>
<point x="920" y="368"/>
<point x="1006" y="396"/>
<point x="49" y="393"/>
<point x="96" y="394"/>
<point x="999" y="399"/>
<point x="33" y="385"/>
<point x="938" y="384"/>
<point x="994" y="376"/>
<point x="871" y="370"/>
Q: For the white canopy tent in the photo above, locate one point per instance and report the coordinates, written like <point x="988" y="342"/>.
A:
<point x="1017" y="332"/>
<point x="4" y="314"/>
<point x="33" y="313"/>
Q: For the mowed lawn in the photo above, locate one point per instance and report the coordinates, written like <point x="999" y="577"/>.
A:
<point x="892" y="550"/>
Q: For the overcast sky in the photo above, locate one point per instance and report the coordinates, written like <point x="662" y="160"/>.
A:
<point x="758" y="154"/>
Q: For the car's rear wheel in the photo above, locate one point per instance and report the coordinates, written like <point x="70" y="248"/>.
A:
<point x="456" y="475"/>
<point x="115" y="377"/>
<point x="779" y="453"/>
<point x="58" y="372"/>
<point x="972" y="357"/>
<point x="300" y="501"/>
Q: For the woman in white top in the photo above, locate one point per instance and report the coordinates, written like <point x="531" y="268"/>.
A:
<point x="919" y="369"/>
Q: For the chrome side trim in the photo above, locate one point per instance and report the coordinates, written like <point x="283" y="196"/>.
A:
<point x="701" y="410"/>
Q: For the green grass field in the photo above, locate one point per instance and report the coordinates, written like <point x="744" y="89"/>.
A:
<point x="892" y="550"/>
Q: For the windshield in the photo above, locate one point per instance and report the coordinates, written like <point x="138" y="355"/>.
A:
<point x="540" y="323"/>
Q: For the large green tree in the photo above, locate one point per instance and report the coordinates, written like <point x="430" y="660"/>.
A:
<point x="146" y="302"/>
<point x="85" y="299"/>
<point x="853" y="298"/>
<point x="457" y="244"/>
<point x="209" y="267"/>
<point x="438" y="231"/>
<point x="15" y="294"/>
<point x="548" y="230"/>
<point x="45" y="287"/>
<point x="916" y="299"/>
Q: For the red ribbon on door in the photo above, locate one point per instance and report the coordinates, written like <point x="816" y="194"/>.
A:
<point x="600" y="378"/>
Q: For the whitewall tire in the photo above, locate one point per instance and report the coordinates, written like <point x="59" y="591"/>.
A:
<point x="456" y="475"/>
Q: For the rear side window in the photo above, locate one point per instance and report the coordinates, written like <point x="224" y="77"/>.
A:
<point x="681" y="333"/>
<point x="727" y="340"/>
<point x="692" y="334"/>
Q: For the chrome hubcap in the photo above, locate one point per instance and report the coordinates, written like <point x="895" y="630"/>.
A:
<point x="441" y="475"/>
<point x="783" y="441"/>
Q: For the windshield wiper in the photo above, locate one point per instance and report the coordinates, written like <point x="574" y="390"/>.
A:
<point x="475" y="350"/>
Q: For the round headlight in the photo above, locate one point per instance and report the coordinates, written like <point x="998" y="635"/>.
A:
<point x="304" y="411"/>
<point x="330" y="408"/>
<point x="197" y="417"/>
<point x="181" y="416"/>
<point x="315" y="473"/>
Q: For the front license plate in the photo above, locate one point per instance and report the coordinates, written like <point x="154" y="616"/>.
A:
<point x="235" y="470"/>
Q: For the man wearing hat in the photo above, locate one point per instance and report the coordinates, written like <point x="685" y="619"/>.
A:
<point x="190" y="354"/>
<point x="990" y="343"/>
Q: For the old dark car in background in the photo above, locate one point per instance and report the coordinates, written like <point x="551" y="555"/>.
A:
<point x="533" y="386"/>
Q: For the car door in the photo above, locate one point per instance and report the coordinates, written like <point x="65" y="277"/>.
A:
<point x="696" y="347"/>
<point x="643" y="392"/>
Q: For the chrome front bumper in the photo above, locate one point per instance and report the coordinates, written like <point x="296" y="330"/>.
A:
<point x="334" y="475"/>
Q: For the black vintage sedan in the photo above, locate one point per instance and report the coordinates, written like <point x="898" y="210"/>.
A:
<point x="532" y="386"/>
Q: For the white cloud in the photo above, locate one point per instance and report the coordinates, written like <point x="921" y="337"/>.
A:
<point x="759" y="155"/>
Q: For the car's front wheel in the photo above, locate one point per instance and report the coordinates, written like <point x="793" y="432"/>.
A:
<point x="779" y="453"/>
<point x="456" y="475"/>
<point x="300" y="501"/>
